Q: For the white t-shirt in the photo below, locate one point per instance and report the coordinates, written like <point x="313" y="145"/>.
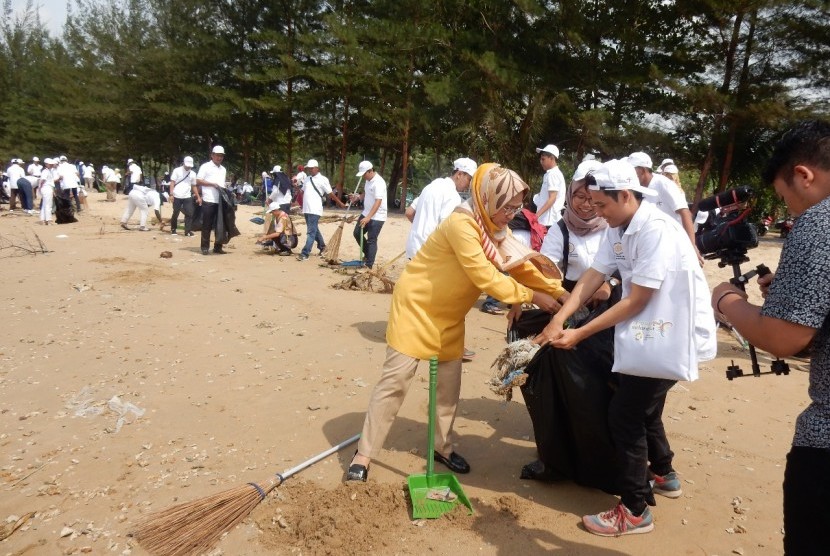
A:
<point x="135" y="173"/>
<point x="212" y="173"/>
<point x="435" y="203"/>
<point x="47" y="179"/>
<point x="300" y="177"/>
<point x="670" y="198"/>
<point x="183" y="180"/>
<point x="553" y="182"/>
<point x="375" y="189"/>
<point x="582" y="250"/>
<point x="279" y="198"/>
<point x="14" y="172"/>
<point x="312" y="202"/>
<point x="153" y="199"/>
<point x="34" y="169"/>
<point x="651" y="245"/>
<point x="89" y="172"/>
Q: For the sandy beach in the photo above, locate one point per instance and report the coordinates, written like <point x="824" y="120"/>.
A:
<point x="130" y="382"/>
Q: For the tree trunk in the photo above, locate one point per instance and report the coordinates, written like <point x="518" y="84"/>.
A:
<point x="718" y="122"/>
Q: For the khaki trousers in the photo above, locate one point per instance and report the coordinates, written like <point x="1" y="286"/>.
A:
<point x="389" y="393"/>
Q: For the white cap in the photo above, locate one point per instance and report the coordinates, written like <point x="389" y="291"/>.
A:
<point x="585" y="167"/>
<point x="312" y="164"/>
<point x="466" y="165"/>
<point x="640" y="159"/>
<point x="264" y="174"/>
<point x="550" y="149"/>
<point x="666" y="161"/>
<point x="48" y="161"/>
<point x="670" y="169"/>
<point x="218" y="149"/>
<point x="129" y="160"/>
<point x="188" y="162"/>
<point x="273" y="206"/>
<point x="276" y="168"/>
<point x="616" y="175"/>
<point x="363" y="167"/>
<point x="63" y="157"/>
<point x="589" y="156"/>
<point x="35" y="159"/>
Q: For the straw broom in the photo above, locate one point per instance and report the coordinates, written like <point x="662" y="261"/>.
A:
<point x="331" y="253"/>
<point x="194" y="527"/>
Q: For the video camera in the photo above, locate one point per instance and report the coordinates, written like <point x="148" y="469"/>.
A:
<point x="727" y="235"/>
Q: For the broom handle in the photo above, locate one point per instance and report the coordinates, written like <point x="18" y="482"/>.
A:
<point x="433" y="386"/>
<point x="356" y="187"/>
<point x="309" y="462"/>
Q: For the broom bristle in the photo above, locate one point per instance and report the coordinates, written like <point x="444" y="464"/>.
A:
<point x="332" y="251"/>
<point x="194" y="527"/>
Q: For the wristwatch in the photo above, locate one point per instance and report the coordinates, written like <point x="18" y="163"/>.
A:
<point x="613" y="282"/>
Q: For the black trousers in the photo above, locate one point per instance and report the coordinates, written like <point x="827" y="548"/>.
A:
<point x="184" y="206"/>
<point x="210" y="211"/>
<point x="635" y="419"/>
<point x="806" y="491"/>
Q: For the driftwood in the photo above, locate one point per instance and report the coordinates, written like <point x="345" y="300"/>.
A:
<point x="17" y="247"/>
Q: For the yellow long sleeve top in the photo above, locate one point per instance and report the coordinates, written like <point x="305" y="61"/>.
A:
<point x="440" y="285"/>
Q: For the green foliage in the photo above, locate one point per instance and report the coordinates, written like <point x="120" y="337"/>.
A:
<point x="707" y="82"/>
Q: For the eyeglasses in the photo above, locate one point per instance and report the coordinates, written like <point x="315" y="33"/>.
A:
<point x="511" y="211"/>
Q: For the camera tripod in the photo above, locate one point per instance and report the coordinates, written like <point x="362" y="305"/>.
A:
<point x="734" y="258"/>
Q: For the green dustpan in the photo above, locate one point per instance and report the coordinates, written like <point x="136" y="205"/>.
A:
<point x="433" y="494"/>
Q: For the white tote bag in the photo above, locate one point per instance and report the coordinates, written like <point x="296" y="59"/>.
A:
<point x="659" y="342"/>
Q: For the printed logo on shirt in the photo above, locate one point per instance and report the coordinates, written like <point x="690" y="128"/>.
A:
<point x="571" y="249"/>
<point x="618" y="251"/>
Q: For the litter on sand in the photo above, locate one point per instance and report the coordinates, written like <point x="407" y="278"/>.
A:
<point x="443" y="494"/>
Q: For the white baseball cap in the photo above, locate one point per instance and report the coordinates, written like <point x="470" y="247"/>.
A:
<point x="276" y="169"/>
<point x="550" y="149"/>
<point x="363" y="167"/>
<point x="273" y="206"/>
<point x="48" y="161"/>
<point x="616" y="175"/>
<point x="584" y="168"/>
<point x="666" y="161"/>
<point x="640" y="159"/>
<point x="35" y="159"/>
<point x="466" y="165"/>
<point x="218" y="149"/>
<point x="670" y="169"/>
<point x="188" y="162"/>
<point x="63" y="157"/>
<point x="312" y="164"/>
<point x="129" y="160"/>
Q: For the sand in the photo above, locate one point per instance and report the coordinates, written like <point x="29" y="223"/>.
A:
<point x="130" y="382"/>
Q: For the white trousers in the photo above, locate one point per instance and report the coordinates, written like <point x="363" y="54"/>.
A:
<point x="136" y="200"/>
<point x="47" y="195"/>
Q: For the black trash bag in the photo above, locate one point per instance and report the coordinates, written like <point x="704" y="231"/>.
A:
<point x="567" y="394"/>
<point x="64" y="211"/>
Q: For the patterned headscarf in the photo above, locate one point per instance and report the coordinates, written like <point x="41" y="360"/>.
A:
<point x="576" y="223"/>
<point x="492" y="188"/>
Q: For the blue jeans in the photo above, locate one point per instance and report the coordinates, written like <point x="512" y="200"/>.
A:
<point x="312" y="234"/>
<point x="370" y="240"/>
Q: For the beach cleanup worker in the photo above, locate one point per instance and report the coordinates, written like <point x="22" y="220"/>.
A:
<point x="551" y="197"/>
<point x="795" y="317"/>
<point x="368" y="226"/>
<point x="647" y="247"/>
<point x="466" y="254"/>
<point x="316" y="189"/>
<point x="210" y="178"/>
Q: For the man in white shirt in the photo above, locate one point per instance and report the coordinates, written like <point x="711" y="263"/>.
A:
<point x="182" y="183"/>
<point x="210" y="179"/>
<point x="367" y="229"/>
<point x="15" y="172"/>
<point x="551" y="197"/>
<point x="436" y="201"/>
<point x="669" y="198"/>
<point x="70" y="180"/>
<point x="34" y="168"/>
<point x="316" y="188"/>
<point x="89" y="176"/>
<point x="135" y="173"/>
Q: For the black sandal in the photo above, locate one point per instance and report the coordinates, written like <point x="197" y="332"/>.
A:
<point x="536" y="471"/>
<point x="357" y="473"/>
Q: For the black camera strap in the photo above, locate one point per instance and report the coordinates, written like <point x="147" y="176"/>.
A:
<point x="311" y="181"/>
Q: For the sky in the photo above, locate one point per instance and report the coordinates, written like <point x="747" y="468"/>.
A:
<point x="52" y="13"/>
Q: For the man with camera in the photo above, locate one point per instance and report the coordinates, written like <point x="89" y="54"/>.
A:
<point x="796" y="316"/>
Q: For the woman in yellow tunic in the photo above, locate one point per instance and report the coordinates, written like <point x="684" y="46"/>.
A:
<point x="464" y="256"/>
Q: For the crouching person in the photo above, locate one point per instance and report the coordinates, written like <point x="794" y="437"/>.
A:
<point x="281" y="236"/>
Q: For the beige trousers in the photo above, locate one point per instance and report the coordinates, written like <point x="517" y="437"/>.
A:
<point x="389" y="393"/>
<point x="111" y="187"/>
